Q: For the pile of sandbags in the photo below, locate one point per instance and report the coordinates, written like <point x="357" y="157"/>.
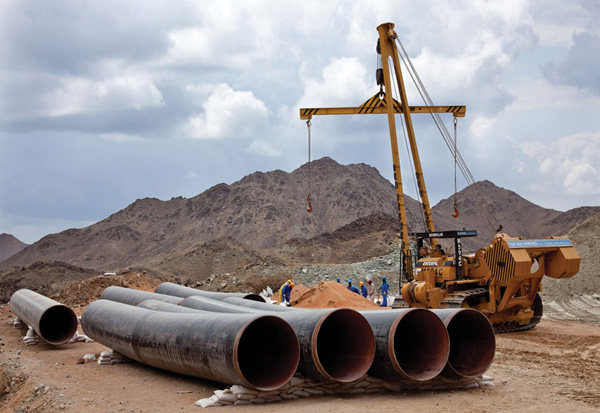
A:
<point x="17" y="323"/>
<point x="299" y="387"/>
<point x="80" y="338"/>
<point x="31" y="338"/>
<point x="112" y="357"/>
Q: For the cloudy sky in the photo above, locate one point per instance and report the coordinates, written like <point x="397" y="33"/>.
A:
<point x="105" y="102"/>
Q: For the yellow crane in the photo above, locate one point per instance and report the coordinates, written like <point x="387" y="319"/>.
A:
<point x="503" y="280"/>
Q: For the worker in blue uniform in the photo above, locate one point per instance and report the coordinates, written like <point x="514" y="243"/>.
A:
<point x="285" y="292"/>
<point x="385" y="287"/>
<point x="363" y="290"/>
<point x="353" y="287"/>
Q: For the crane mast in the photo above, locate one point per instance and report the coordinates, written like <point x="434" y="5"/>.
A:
<point x="384" y="103"/>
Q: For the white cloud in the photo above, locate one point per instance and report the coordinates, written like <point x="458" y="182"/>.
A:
<point x="228" y="114"/>
<point x="81" y="95"/>
<point x="261" y="147"/>
<point x="572" y="160"/>
<point x="533" y="93"/>
<point x="482" y="126"/>
<point x="344" y="81"/>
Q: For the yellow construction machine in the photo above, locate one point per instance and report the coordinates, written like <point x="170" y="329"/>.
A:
<point x="502" y="280"/>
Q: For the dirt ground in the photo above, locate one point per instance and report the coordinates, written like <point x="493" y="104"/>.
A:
<point x="556" y="365"/>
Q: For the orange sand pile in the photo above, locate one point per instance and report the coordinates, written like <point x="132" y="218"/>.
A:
<point x="298" y="291"/>
<point x="331" y="294"/>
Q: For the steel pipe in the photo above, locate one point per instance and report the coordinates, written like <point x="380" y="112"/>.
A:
<point x="156" y="305"/>
<point x="134" y="297"/>
<point x="183" y="291"/>
<point x="51" y="320"/>
<point x="258" y="351"/>
<point x="472" y="342"/>
<point x="335" y="344"/>
<point x="410" y="343"/>
<point x="262" y="306"/>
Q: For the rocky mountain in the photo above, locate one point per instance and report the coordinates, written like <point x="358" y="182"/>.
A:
<point x="9" y="245"/>
<point x="484" y="207"/>
<point x="262" y="210"/>
<point x="261" y="220"/>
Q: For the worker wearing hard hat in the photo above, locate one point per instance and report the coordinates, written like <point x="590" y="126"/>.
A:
<point x="370" y="290"/>
<point x="353" y="287"/>
<point x="363" y="290"/>
<point x="385" y="287"/>
<point x="286" y="290"/>
<point x="288" y="282"/>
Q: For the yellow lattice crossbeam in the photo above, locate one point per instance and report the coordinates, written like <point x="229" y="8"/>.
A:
<point x="376" y="105"/>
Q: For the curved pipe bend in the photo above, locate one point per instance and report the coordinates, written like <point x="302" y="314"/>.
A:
<point x="258" y="351"/>
<point x="133" y="297"/>
<point x="184" y="292"/>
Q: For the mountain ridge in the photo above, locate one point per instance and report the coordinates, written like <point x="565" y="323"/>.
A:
<point x="265" y="211"/>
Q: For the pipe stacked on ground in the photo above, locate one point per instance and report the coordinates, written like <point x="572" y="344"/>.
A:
<point x="411" y="343"/>
<point x="472" y="342"/>
<point x="184" y="292"/>
<point x="254" y="350"/>
<point x="335" y="344"/>
<point x="134" y="297"/>
<point x="471" y="339"/>
<point x="51" y="320"/>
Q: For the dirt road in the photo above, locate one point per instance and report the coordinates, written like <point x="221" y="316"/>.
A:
<point x="555" y="366"/>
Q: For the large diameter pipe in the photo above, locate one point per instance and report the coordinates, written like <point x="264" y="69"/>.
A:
<point x="156" y="305"/>
<point x="51" y="320"/>
<point x="258" y="351"/>
<point x="472" y="342"/>
<point x="335" y="344"/>
<point x="410" y="343"/>
<point x="184" y="292"/>
<point x="257" y="305"/>
<point x="134" y="297"/>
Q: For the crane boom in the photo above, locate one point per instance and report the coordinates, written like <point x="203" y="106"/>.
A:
<point x="384" y="103"/>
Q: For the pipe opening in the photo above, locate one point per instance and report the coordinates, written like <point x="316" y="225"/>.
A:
<point x="268" y="353"/>
<point x="421" y="344"/>
<point x="58" y="324"/>
<point x="254" y="297"/>
<point x="472" y="343"/>
<point x="345" y="345"/>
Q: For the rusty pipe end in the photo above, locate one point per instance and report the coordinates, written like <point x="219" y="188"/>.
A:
<point x="472" y="343"/>
<point x="345" y="345"/>
<point x="421" y="345"/>
<point x="267" y="353"/>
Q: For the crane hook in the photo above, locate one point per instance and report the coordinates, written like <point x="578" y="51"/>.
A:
<point x="455" y="214"/>
<point x="309" y="207"/>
